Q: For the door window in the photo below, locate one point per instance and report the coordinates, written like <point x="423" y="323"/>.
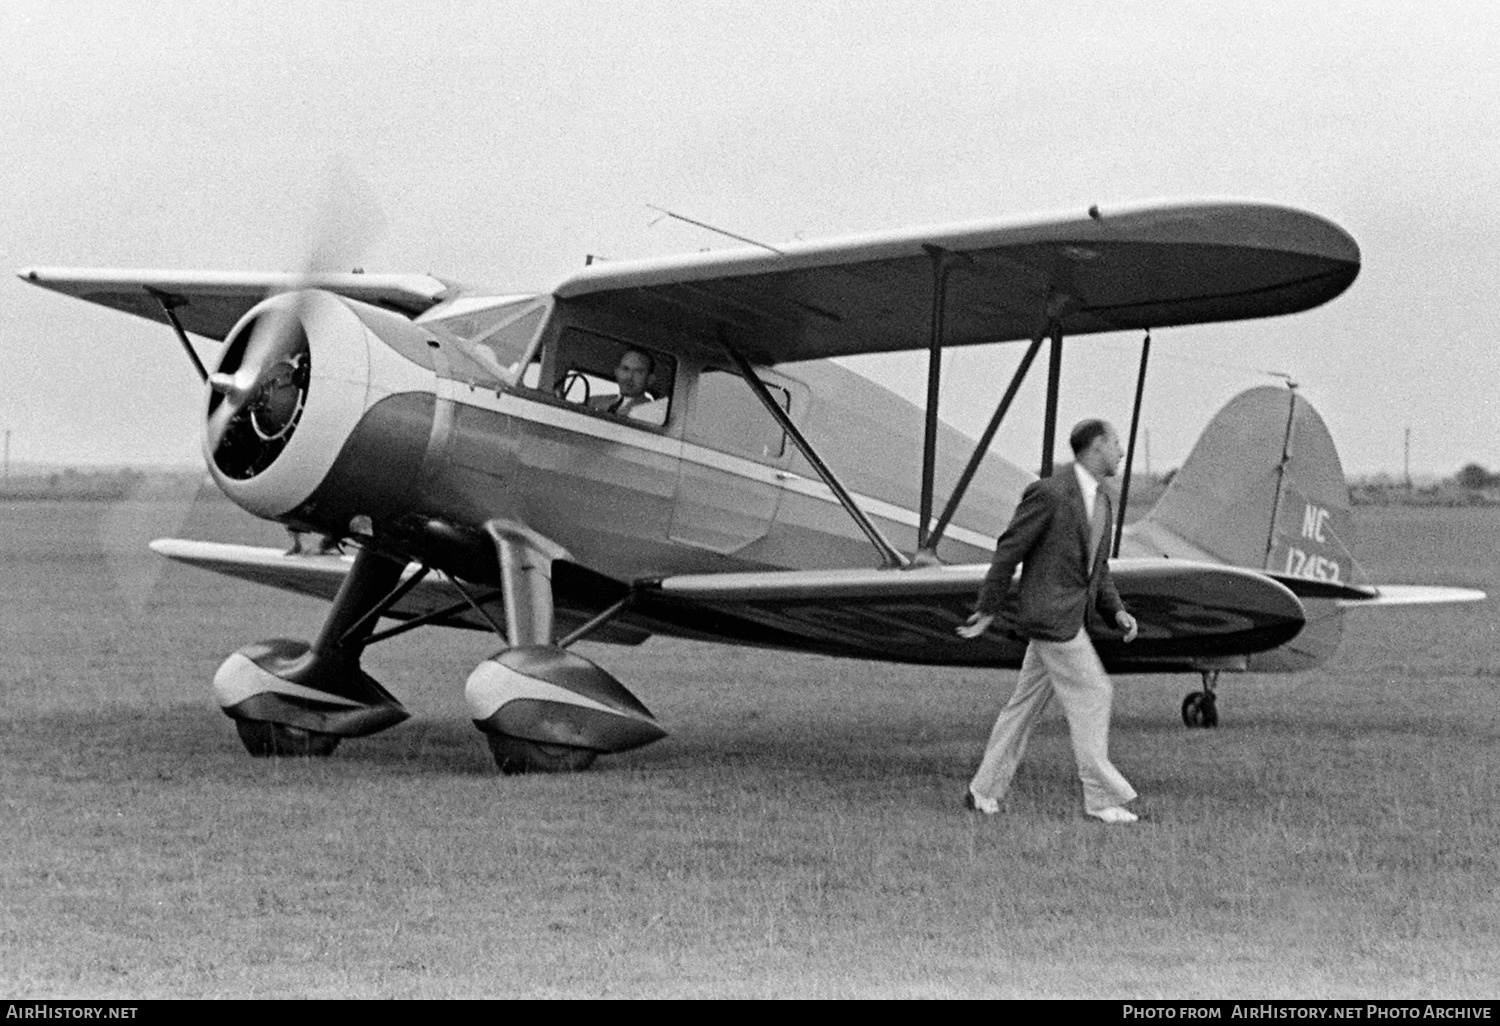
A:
<point x="727" y="416"/>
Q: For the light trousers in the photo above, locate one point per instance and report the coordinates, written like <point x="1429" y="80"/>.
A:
<point x="1072" y="671"/>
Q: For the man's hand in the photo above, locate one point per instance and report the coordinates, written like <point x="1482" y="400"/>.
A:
<point x="977" y="624"/>
<point x="1127" y="624"/>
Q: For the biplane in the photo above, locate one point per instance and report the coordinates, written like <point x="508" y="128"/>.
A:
<point x="465" y="442"/>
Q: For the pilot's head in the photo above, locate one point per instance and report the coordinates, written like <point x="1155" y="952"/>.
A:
<point x="1096" y="446"/>
<point x="633" y="373"/>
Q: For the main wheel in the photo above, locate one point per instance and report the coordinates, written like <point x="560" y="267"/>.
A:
<point x="267" y="739"/>
<point x="1200" y="709"/>
<point x="517" y="755"/>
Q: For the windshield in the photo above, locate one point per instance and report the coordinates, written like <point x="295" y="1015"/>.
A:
<point x="498" y="334"/>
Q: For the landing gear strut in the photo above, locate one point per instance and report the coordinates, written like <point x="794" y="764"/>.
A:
<point x="288" y="698"/>
<point x="1200" y="708"/>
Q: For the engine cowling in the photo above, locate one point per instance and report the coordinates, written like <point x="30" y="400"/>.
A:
<point x="305" y="378"/>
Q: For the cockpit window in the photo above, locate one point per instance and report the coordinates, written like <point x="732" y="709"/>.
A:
<point x="613" y="377"/>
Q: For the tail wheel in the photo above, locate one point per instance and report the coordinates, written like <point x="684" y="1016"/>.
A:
<point x="264" y="740"/>
<point x="516" y="755"/>
<point x="1199" y="709"/>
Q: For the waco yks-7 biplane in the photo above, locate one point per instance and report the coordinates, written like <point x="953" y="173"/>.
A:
<point x="474" y="447"/>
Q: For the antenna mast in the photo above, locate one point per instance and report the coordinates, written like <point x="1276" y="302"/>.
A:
<point x="703" y="224"/>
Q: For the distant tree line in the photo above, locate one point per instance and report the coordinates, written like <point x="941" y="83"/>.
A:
<point x="1473" y="485"/>
<point x="1476" y="478"/>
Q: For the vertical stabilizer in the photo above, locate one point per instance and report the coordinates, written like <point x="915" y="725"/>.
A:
<point x="1263" y="488"/>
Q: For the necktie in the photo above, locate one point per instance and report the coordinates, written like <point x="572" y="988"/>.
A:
<point x="1096" y="528"/>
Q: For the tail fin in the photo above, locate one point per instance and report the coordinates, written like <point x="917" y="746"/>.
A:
<point x="1263" y="488"/>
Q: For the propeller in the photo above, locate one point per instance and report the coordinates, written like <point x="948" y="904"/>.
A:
<point x="258" y="392"/>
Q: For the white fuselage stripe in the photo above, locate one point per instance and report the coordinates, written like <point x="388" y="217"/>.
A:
<point x="546" y="414"/>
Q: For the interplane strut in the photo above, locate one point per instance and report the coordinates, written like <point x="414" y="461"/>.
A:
<point x="890" y="557"/>
<point x="169" y="306"/>
<point x="1135" y="422"/>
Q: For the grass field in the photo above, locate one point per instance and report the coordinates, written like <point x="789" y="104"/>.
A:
<point x="799" y="834"/>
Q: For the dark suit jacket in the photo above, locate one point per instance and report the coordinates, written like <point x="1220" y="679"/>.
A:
<point x="1049" y="538"/>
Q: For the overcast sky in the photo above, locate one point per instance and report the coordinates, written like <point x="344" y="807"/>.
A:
<point x="499" y="143"/>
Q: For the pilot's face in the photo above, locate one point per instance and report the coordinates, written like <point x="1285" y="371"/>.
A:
<point x="631" y="375"/>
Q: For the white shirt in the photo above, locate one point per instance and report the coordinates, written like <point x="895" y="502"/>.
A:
<point x="1090" y="486"/>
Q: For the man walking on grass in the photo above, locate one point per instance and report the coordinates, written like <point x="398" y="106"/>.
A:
<point x="1059" y="537"/>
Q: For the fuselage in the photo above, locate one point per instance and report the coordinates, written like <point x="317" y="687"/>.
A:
<point x="488" y="422"/>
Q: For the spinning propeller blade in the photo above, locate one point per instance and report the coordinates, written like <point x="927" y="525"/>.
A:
<point x="257" y="393"/>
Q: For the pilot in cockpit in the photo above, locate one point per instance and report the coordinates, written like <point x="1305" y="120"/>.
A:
<point x="633" y="374"/>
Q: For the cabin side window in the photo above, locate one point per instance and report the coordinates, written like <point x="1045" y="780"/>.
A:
<point x="728" y="417"/>
<point x="612" y="377"/>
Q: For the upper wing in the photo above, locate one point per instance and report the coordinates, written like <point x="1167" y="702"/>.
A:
<point x="210" y="303"/>
<point x="1129" y="267"/>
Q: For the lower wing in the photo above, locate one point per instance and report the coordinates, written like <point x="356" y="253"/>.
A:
<point x="1189" y="614"/>
<point x="1192" y="615"/>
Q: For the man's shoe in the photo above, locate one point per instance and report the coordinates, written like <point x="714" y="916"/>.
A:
<point x="1115" y="814"/>
<point x="979" y="803"/>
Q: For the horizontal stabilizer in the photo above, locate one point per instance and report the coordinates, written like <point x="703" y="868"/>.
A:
<point x="1305" y="587"/>
<point x="1414" y="595"/>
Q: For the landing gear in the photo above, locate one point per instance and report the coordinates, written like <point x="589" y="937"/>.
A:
<point x="542" y="708"/>
<point x="264" y="740"/>
<point x="516" y="755"/>
<point x="1200" y="708"/>
<point x="288" y="698"/>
